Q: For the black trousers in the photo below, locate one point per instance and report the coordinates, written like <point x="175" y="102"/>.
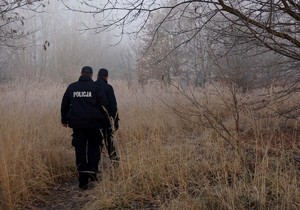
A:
<point x="87" y="143"/>
<point x="109" y="144"/>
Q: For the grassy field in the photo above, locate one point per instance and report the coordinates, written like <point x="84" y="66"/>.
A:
<point x="196" y="161"/>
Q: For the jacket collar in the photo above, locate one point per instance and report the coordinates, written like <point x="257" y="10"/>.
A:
<point x="102" y="80"/>
<point x="85" y="78"/>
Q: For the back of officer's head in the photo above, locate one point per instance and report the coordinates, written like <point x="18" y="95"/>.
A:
<point x="102" y="73"/>
<point x="87" y="71"/>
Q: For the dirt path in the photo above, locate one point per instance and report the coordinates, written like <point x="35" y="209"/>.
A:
<point x="66" y="195"/>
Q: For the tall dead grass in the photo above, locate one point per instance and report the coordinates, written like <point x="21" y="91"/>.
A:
<point x="33" y="146"/>
<point x="172" y="163"/>
<point x="167" y="162"/>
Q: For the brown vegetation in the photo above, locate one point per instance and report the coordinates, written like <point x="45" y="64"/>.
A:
<point x="167" y="162"/>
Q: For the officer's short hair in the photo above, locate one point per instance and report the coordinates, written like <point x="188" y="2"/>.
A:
<point x="102" y="73"/>
<point x="87" y="70"/>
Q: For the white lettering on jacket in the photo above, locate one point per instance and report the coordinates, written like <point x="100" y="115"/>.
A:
<point x="82" y="94"/>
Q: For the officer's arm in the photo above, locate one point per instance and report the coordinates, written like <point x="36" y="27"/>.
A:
<point x="112" y="102"/>
<point x="65" y="107"/>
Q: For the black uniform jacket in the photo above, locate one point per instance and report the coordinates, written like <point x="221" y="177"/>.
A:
<point x="110" y="95"/>
<point x="82" y="103"/>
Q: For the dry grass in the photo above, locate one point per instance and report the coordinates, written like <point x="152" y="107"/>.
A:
<point x="33" y="146"/>
<point x="166" y="162"/>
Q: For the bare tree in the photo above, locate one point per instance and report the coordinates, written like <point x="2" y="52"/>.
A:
<point x="14" y="15"/>
<point x="270" y="26"/>
<point x="164" y="56"/>
<point x="13" y="19"/>
<point x="273" y="23"/>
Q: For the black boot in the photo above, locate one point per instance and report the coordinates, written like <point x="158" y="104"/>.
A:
<point x="83" y="180"/>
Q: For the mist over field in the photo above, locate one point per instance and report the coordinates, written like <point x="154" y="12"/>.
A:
<point x="57" y="47"/>
<point x="207" y="93"/>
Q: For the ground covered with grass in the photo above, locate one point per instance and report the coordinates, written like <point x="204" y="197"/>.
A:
<point x="204" y="158"/>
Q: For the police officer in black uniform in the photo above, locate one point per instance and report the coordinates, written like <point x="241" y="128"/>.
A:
<point x="112" y="113"/>
<point x="81" y="110"/>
